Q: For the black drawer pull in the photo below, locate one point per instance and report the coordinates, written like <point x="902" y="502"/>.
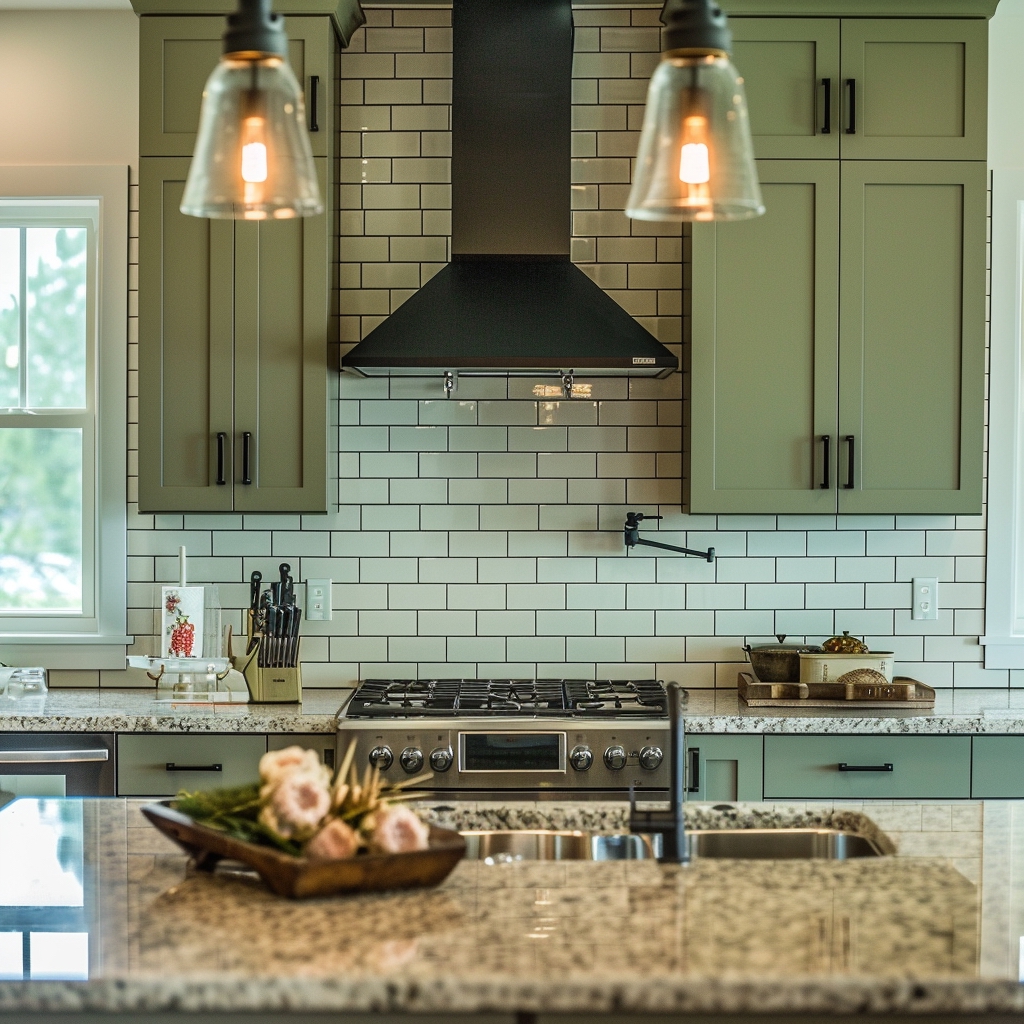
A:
<point x="826" y="128"/>
<point x="851" y="110"/>
<point x="826" y="483"/>
<point x="246" y="456"/>
<point x="850" y="441"/>
<point x="172" y="767"/>
<point x="844" y="767"/>
<point x="693" y="780"/>
<point x="314" y="88"/>
<point x="221" y="438"/>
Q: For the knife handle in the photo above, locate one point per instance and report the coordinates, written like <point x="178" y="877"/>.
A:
<point x="246" y="457"/>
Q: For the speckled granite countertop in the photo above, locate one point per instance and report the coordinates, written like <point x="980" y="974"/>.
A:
<point x="707" y="711"/>
<point x="139" y="711"/>
<point x="910" y="933"/>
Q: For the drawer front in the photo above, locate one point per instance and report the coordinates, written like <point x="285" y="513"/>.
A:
<point x="997" y="767"/>
<point x="804" y="767"/>
<point x="324" y="743"/>
<point x="142" y="762"/>
<point x="728" y="768"/>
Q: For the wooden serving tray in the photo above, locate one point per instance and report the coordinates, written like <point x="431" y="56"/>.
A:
<point x="830" y="695"/>
<point x="296" y="877"/>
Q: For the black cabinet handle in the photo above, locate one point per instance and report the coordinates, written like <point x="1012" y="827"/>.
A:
<point x="826" y="127"/>
<point x="221" y="438"/>
<point x="314" y="89"/>
<point x="246" y="455"/>
<point x="172" y="767"/>
<point x="826" y="482"/>
<point x="693" y="774"/>
<point x="844" y="767"/>
<point x="851" y="106"/>
<point x="848" y="486"/>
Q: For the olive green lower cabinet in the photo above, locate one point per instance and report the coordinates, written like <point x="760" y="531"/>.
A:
<point x="866" y="767"/>
<point x="723" y="768"/>
<point x="997" y="767"/>
<point x="161" y="765"/>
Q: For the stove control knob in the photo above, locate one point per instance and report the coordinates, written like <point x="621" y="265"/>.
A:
<point x="382" y="758"/>
<point x="651" y="758"/>
<point x="581" y="758"/>
<point x="441" y="759"/>
<point x="411" y="760"/>
<point x="615" y="758"/>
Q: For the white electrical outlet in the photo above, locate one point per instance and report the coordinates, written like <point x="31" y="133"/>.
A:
<point x="318" y="600"/>
<point x="925" y="604"/>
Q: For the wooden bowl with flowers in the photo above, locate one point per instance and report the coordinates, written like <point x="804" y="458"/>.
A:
<point x="306" y="833"/>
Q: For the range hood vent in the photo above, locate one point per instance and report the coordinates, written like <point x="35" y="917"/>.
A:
<point x="511" y="302"/>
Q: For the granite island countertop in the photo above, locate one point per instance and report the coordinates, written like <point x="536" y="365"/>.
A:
<point x="138" y="710"/>
<point x="964" y="712"/>
<point x="902" y="934"/>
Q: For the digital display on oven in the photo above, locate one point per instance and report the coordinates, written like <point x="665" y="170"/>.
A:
<point x="512" y="752"/>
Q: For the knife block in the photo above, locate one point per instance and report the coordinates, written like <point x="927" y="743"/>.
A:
<point x="268" y="685"/>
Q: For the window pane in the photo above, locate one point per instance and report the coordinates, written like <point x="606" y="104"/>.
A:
<point x="10" y="327"/>
<point x="12" y="957"/>
<point x="56" y="316"/>
<point x="40" y="518"/>
<point x="58" y="956"/>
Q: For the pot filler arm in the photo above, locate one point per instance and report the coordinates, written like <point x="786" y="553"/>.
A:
<point x="631" y="534"/>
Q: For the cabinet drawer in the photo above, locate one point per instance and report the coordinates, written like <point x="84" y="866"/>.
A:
<point x="728" y="768"/>
<point x="142" y="763"/>
<point x="922" y="766"/>
<point x="323" y="743"/>
<point x="997" y="767"/>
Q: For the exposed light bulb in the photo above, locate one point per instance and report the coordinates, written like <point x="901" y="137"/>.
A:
<point x="694" y="159"/>
<point x="254" y="162"/>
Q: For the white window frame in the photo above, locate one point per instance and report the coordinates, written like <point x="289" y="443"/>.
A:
<point x="96" y="638"/>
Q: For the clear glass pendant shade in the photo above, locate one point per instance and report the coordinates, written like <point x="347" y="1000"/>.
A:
<point x="252" y="160"/>
<point x="696" y="158"/>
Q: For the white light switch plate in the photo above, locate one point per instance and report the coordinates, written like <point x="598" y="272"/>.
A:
<point x="318" y="600"/>
<point x="925" y="603"/>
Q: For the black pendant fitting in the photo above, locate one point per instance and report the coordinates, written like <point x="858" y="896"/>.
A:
<point x="695" y="25"/>
<point x="255" y="28"/>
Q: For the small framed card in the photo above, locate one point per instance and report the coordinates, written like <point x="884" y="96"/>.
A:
<point x="182" y="619"/>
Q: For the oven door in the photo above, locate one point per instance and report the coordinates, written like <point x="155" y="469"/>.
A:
<point x="57" y="764"/>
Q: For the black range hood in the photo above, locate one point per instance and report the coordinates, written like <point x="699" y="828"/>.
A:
<point x="511" y="302"/>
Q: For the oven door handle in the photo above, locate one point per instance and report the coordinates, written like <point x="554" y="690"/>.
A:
<point x="52" y="756"/>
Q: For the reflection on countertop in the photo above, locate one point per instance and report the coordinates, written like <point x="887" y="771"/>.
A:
<point x="897" y="934"/>
<point x="137" y="710"/>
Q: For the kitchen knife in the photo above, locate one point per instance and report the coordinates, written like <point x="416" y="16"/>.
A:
<point x="286" y="631"/>
<point x="294" y="643"/>
<point x="271" y="633"/>
<point x="254" y="600"/>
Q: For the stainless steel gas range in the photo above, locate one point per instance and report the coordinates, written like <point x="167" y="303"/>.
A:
<point x="546" y="737"/>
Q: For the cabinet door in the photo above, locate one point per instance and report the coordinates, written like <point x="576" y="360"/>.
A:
<point x="809" y="767"/>
<point x="912" y="337"/>
<point x="785" y="63"/>
<point x="281" y="320"/>
<point x="185" y="354"/>
<point x="764" y="323"/>
<point x="176" y="56"/>
<point x="163" y="764"/>
<point x="723" y="768"/>
<point x="997" y="767"/>
<point x="920" y="89"/>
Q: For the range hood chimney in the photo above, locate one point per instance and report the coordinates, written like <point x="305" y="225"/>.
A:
<point x="511" y="302"/>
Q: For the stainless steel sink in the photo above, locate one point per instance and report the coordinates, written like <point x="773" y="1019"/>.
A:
<point x="494" y="847"/>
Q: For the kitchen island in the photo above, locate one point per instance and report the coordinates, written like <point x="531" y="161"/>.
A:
<point x="895" y="935"/>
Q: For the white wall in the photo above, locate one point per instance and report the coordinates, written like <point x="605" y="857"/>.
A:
<point x="1006" y="86"/>
<point x="69" y="87"/>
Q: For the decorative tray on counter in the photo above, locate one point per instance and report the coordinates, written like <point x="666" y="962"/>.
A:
<point x="901" y="692"/>
<point x="297" y="877"/>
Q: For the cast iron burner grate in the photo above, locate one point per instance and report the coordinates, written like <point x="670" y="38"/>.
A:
<point x="475" y="698"/>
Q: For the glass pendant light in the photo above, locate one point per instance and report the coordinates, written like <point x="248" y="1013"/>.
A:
<point x="253" y="160"/>
<point x="696" y="158"/>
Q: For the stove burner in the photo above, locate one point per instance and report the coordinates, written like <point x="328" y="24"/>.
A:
<point x="467" y="698"/>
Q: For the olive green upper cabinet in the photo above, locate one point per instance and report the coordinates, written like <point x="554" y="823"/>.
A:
<point x="912" y="322"/>
<point x="914" y="89"/>
<point x="176" y="56"/>
<point x="791" y="70"/>
<point x="764" y="355"/>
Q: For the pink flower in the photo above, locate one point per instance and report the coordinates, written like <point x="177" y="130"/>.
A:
<point x="398" y="830"/>
<point x="296" y="804"/>
<point x="278" y="763"/>
<point x="335" y="840"/>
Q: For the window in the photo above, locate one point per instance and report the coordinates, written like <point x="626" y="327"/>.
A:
<point x="63" y="341"/>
